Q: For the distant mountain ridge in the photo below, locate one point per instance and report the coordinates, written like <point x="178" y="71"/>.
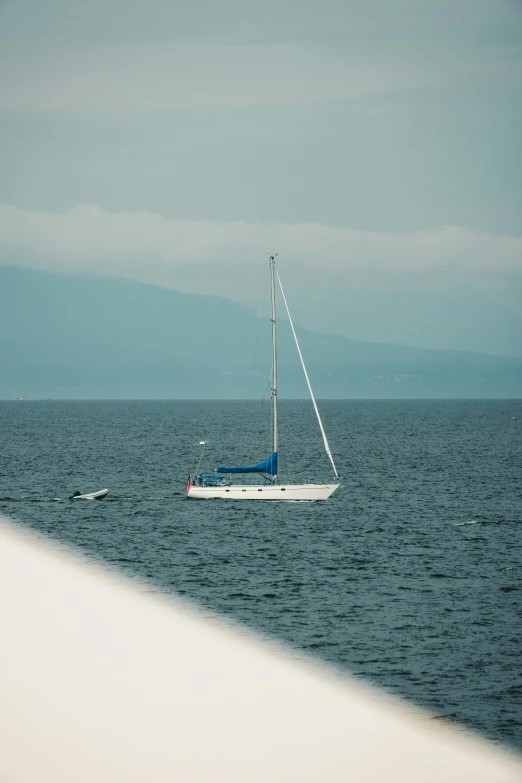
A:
<point x="452" y="319"/>
<point x="65" y="336"/>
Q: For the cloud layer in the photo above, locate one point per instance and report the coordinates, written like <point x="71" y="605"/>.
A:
<point x="56" y="56"/>
<point x="226" y="257"/>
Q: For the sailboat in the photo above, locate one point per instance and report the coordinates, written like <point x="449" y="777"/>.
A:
<point x="219" y="485"/>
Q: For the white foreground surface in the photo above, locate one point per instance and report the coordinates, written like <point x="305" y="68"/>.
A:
<point x="265" y="492"/>
<point x="102" y="682"/>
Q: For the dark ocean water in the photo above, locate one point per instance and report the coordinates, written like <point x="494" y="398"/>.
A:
<point x="409" y="576"/>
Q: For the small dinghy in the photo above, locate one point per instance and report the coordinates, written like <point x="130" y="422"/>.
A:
<point x="102" y="493"/>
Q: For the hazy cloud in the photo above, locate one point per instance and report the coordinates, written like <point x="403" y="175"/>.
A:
<point x="202" y="73"/>
<point x="345" y="135"/>
<point x="226" y="258"/>
<point x="127" y="56"/>
<point x="382" y="116"/>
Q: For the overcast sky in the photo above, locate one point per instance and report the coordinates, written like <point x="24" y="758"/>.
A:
<point x="371" y="143"/>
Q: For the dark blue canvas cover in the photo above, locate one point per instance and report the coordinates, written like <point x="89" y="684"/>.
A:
<point x="269" y="465"/>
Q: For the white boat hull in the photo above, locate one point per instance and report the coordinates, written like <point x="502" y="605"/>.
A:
<point x="100" y="495"/>
<point x="265" y="492"/>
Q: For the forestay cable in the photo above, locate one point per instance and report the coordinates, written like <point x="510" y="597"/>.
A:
<point x="327" y="447"/>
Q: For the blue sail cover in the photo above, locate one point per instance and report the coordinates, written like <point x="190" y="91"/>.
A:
<point x="268" y="466"/>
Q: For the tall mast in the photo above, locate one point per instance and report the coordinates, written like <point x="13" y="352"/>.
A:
<point x="274" y="351"/>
